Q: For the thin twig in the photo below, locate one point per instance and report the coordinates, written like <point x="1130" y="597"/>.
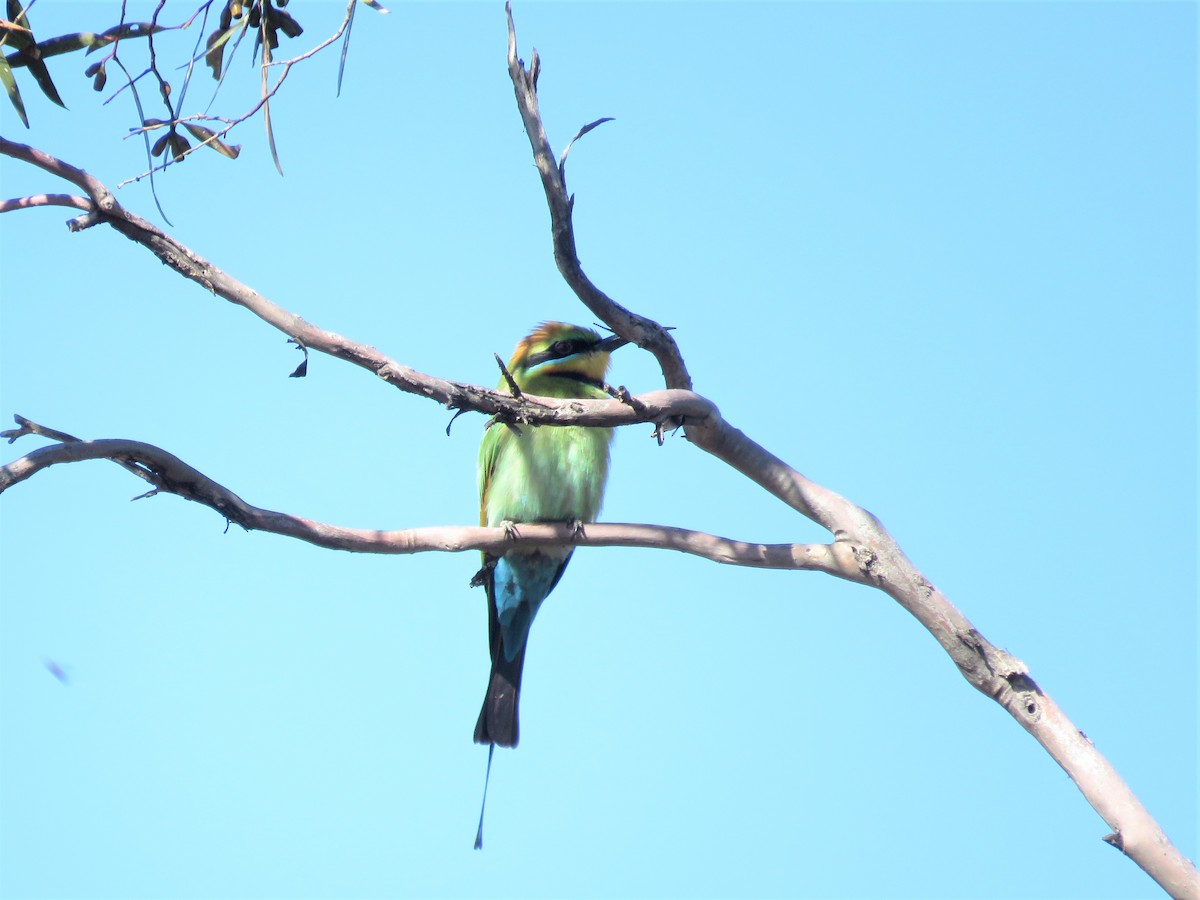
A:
<point x="267" y="94"/>
<point x="512" y="382"/>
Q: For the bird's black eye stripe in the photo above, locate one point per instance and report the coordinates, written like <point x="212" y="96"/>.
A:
<point x="561" y="349"/>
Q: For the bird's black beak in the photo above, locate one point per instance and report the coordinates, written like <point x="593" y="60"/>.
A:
<point x="610" y="343"/>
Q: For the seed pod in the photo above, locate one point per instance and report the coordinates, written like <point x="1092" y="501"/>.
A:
<point x="179" y="146"/>
<point x="287" y="24"/>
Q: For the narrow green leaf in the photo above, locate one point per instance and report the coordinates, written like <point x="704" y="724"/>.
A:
<point x="266" y="61"/>
<point x="228" y="64"/>
<point x="215" y="49"/>
<point x="124" y="32"/>
<point x="41" y="75"/>
<point x="10" y="85"/>
<point x="66" y="43"/>
<point x="208" y="136"/>
<point x="33" y="56"/>
<point x="214" y="52"/>
<point x="271" y="137"/>
<point x="141" y="111"/>
<point x="69" y="43"/>
<point x="16" y="36"/>
<point x="345" y="48"/>
<point x="375" y="6"/>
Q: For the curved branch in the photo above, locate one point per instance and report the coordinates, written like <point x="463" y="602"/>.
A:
<point x="100" y="195"/>
<point x="647" y="334"/>
<point x="862" y="549"/>
<point x="993" y="672"/>
<point x="655" y="407"/>
<point x="167" y="473"/>
<point x="45" y="200"/>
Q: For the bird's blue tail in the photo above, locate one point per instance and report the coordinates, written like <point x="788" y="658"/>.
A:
<point x="516" y="586"/>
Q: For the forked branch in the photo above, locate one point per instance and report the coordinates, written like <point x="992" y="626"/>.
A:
<point x="861" y="550"/>
<point x="103" y="207"/>
<point x="993" y="672"/>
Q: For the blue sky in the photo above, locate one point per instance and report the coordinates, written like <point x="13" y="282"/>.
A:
<point x="940" y="257"/>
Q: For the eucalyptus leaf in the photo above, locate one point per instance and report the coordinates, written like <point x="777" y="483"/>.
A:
<point x="66" y="43"/>
<point x="124" y="32"/>
<point x="10" y="86"/>
<point x="16" y="36"/>
<point x="41" y="75"/>
<point x="208" y="136"/>
<point x="215" y="52"/>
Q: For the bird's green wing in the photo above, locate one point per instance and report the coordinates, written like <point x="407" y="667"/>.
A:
<point x="489" y="452"/>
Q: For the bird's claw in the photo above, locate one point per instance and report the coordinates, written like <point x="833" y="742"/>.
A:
<point x="480" y="578"/>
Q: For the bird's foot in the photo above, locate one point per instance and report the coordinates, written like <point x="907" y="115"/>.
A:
<point x="510" y="529"/>
<point x="661" y="428"/>
<point x="480" y="578"/>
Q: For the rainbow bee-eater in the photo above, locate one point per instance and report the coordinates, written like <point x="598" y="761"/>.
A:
<point x="537" y="474"/>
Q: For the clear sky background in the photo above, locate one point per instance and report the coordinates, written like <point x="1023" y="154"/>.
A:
<point x="940" y="257"/>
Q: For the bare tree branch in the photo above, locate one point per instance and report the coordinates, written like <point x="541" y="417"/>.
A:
<point x="44" y="200"/>
<point x="655" y="407"/>
<point x="861" y="551"/>
<point x="169" y="474"/>
<point x="645" y="333"/>
<point x="993" y="672"/>
<point x="100" y="195"/>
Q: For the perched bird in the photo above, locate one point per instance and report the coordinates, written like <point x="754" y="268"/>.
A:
<point x="537" y="474"/>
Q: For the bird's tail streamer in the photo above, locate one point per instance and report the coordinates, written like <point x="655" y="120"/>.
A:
<point x="483" y="803"/>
